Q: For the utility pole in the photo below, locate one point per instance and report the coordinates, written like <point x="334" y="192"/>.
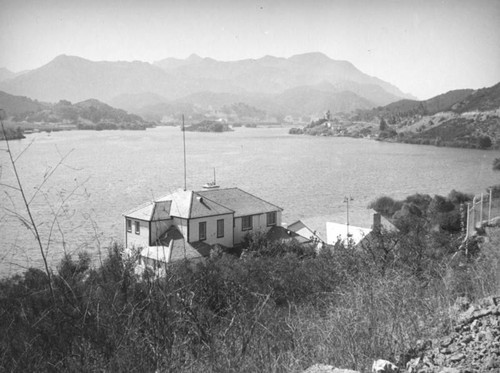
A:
<point x="184" y="144"/>
<point x="346" y="200"/>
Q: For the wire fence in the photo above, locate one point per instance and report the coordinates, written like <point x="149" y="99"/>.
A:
<point x="483" y="209"/>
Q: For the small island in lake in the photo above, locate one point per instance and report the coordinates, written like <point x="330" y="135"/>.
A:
<point x="208" y="126"/>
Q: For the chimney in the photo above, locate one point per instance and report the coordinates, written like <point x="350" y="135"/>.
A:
<point x="377" y="222"/>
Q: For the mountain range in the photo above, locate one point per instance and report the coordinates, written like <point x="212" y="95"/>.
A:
<point x="273" y="84"/>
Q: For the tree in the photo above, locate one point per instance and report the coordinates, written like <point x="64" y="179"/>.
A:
<point x="496" y="164"/>
<point x="484" y="142"/>
<point x="383" y="124"/>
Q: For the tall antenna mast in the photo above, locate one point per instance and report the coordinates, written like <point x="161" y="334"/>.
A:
<point x="184" y="144"/>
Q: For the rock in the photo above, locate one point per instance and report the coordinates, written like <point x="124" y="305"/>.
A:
<point x="457" y="357"/>
<point x="384" y="366"/>
<point x="323" y="368"/>
<point x="446" y="342"/>
<point x="492" y="362"/>
<point x="467" y="339"/>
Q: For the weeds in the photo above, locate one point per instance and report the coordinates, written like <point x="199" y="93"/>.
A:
<point x="260" y="313"/>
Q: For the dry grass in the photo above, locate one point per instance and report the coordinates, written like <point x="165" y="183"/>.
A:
<point x="257" y="314"/>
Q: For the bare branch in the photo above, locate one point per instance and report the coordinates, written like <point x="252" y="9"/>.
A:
<point x="47" y="176"/>
<point x="10" y="186"/>
<point x="33" y="225"/>
<point x="26" y="148"/>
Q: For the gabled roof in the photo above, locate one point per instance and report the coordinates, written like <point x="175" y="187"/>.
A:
<point x="303" y="230"/>
<point x="184" y="204"/>
<point x="142" y="212"/>
<point x="239" y="201"/>
<point x="180" y="202"/>
<point x="180" y="248"/>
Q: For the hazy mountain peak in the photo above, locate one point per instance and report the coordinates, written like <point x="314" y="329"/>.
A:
<point x="311" y="57"/>
<point x="65" y="57"/>
<point x="194" y="57"/>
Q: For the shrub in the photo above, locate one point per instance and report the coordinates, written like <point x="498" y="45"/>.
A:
<point x="385" y="205"/>
<point x="484" y="142"/>
<point x="458" y="198"/>
<point x="496" y="164"/>
<point x="274" y="310"/>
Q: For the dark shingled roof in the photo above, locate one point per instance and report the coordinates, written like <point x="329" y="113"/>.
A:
<point x="241" y="202"/>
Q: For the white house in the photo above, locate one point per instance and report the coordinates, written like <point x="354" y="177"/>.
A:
<point x="365" y="223"/>
<point x="187" y="224"/>
<point x="323" y="231"/>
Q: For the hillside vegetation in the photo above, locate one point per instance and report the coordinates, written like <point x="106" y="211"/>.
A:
<point x="461" y="118"/>
<point x="208" y="126"/>
<point x="277" y="308"/>
<point x="89" y="114"/>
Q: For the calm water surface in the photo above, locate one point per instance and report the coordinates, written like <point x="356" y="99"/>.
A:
<point x="79" y="206"/>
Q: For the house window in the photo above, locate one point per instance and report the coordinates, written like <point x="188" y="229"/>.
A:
<point x="203" y="230"/>
<point x="246" y="223"/>
<point x="271" y="218"/>
<point x="129" y="225"/>
<point x="137" y="227"/>
<point x="220" y="228"/>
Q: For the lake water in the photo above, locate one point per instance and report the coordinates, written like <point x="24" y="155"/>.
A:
<point x="79" y="206"/>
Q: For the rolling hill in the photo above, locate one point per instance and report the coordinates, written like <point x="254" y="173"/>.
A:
<point x="14" y="105"/>
<point x="85" y="113"/>
<point x="462" y="118"/>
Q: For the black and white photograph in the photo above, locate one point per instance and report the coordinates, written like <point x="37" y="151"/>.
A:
<point x="250" y="186"/>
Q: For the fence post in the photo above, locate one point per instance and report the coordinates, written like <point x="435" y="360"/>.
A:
<point x="481" y="212"/>
<point x="489" y="208"/>
<point x="473" y="212"/>
<point x="467" y="225"/>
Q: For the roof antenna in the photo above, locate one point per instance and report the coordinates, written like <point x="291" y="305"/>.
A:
<point x="184" y="143"/>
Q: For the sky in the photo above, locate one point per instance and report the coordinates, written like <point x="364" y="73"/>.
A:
<point x="424" y="47"/>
